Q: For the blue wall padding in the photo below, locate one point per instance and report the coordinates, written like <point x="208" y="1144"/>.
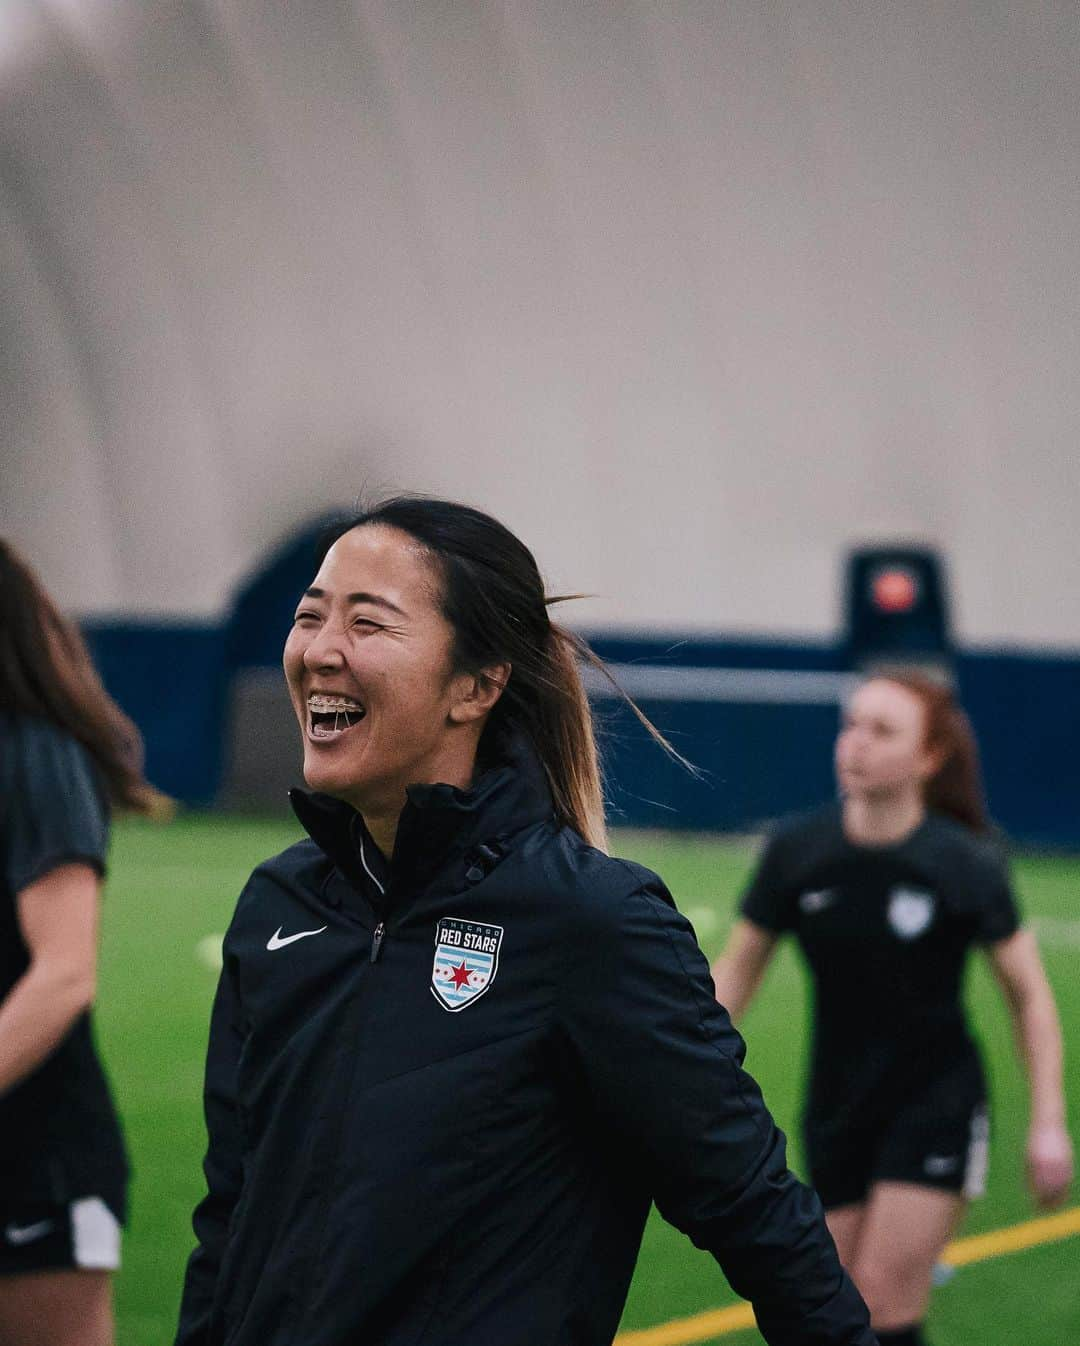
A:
<point x="757" y="761"/>
<point x="263" y="611"/>
<point x="760" y="760"/>
<point x="677" y="652"/>
<point x="1025" y="709"/>
<point x="751" y="756"/>
<point x="172" y="681"/>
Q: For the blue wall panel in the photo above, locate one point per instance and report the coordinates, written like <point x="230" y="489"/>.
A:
<point x="1026" y="713"/>
<point x="758" y="760"/>
<point x="172" y="681"/>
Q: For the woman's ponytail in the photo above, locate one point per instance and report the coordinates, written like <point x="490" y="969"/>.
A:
<point x="956" y="788"/>
<point x="566" y="741"/>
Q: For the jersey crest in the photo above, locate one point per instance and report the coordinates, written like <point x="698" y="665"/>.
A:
<point x="817" y="900"/>
<point x="910" y="911"/>
<point x="466" y="961"/>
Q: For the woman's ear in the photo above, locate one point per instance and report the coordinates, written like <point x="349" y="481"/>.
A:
<point x="475" y="694"/>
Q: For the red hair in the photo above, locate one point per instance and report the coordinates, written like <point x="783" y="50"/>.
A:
<point x="956" y="788"/>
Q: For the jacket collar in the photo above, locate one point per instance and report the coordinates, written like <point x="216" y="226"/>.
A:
<point x="440" y="825"/>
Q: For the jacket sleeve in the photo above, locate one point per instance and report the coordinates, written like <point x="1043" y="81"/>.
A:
<point x="661" y="1066"/>
<point x="222" y="1167"/>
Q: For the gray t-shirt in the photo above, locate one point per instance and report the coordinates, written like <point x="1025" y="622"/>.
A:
<point x="52" y="804"/>
<point x="59" y="1135"/>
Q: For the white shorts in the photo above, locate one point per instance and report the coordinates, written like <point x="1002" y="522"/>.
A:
<point x="36" y="1236"/>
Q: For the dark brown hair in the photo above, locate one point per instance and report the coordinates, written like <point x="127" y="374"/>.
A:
<point x="493" y="597"/>
<point x="46" y="671"/>
<point x="956" y="788"/>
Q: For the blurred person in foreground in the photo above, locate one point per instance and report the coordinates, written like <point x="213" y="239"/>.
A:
<point x="456" y="1049"/>
<point x="67" y="753"/>
<point x="886" y="892"/>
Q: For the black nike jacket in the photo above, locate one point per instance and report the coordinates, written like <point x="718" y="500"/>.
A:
<point x="442" y="1094"/>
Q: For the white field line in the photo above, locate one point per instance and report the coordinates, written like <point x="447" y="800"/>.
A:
<point x="756" y="686"/>
<point x="208" y="952"/>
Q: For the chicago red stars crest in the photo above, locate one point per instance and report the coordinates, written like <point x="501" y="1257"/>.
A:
<point x="466" y="961"/>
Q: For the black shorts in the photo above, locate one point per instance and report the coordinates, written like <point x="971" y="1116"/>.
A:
<point x="50" y="1236"/>
<point x="938" y="1138"/>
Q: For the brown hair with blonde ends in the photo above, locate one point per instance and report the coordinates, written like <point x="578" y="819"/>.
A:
<point x="956" y="787"/>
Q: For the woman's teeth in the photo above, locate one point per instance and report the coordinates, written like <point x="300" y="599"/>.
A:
<point x="333" y="715"/>
<point x="323" y="701"/>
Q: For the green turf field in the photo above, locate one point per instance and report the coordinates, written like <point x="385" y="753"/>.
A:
<point x="170" y="887"/>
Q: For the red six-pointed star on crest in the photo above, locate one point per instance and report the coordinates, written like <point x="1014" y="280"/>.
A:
<point x="460" y="976"/>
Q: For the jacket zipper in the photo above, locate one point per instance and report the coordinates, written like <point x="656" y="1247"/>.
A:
<point x="380" y="929"/>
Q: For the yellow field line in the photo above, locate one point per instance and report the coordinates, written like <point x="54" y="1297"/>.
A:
<point x="700" y="1327"/>
<point x="1050" y="1229"/>
<point x="979" y="1247"/>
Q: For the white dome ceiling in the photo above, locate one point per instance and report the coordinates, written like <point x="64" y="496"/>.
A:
<point x="693" y="294"/>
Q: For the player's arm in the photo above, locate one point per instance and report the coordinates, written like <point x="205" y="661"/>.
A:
<point x="222" y="1166"/>
<point x="737" y="973"/>
<point x="1019" y="971"/>
<point x="58" y="919"/>
<point x="764" y="915"/>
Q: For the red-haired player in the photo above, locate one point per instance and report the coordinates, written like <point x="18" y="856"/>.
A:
<point x="886" y="892"/>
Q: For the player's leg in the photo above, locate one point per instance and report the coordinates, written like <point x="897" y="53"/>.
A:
<point x="930" y="1161"/>
<point x="56" y="1308"/>
<point x="845" y="1225"/>
<point x="56" y="1265"/>
<point x="841" y="1171"/>
<point x="904" y="1233"/>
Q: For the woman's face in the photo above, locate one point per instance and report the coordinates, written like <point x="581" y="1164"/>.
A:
<point x="881" y="749"/>
<point x="368" y="664"/>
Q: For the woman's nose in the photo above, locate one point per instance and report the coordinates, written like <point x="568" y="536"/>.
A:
<point x="324" y="651"/>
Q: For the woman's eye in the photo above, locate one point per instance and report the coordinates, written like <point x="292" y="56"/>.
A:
<point x="306" y="617"/>
<point x="366" y="624"/>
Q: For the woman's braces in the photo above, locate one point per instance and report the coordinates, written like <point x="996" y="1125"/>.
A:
<point x="325" y="705"/>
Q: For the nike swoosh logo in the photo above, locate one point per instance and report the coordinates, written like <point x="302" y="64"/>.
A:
<point x="276" y="942"/>
<point x="28" y="1233"/>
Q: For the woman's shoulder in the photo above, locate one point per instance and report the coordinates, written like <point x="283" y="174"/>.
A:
<point x="959" y="848"/>
<point x="299" y="869"/>
<point x="824" y="820"/>
<point x="585" y="886"/>
<point x="802" y="840"/>
<point x="44" y="757"/>
<point x="53" y="805"/>
<point x="301" y="864"/>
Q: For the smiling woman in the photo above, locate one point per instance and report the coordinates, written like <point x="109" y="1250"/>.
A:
<point x="418" y="614"/>
<point x="375" y="679"/>
<point x="451" y="966"/>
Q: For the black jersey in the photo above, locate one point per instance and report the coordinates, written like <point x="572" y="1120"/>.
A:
<point x="59" y="1135"/>
<point x="885" y="931"/>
